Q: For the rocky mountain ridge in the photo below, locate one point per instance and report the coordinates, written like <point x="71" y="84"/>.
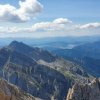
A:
<point x="21" y="65"/>
<point x="22" y="70"/>
<point x="86" y="55"/>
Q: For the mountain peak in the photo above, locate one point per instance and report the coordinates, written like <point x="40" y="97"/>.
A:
<point x="34" y="53"/>
<point x="19" y="46"/>
<point x="16" y="43"/>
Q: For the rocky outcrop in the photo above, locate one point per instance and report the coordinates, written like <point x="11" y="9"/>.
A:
<point x="11" y="92"/>
<point x="89" y="91"/>
<point x="69" y="69"/>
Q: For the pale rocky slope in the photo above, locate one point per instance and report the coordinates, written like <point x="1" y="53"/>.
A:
<point x="89" y="91"/>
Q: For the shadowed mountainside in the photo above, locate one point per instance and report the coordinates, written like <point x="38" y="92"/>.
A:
<point x="44" y="76"/>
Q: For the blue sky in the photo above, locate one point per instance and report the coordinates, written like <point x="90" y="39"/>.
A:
<point x="74" y="9"/>
<point x="80" y="12"/>
<point x="77" y="10"/>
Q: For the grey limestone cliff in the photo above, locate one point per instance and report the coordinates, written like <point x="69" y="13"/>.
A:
<point x="89" y="91"/>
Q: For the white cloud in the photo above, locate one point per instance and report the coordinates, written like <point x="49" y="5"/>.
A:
<point x="89" y="26"/>
<point x="57" y="24"/>
<point x="62" y="21"/>
<point x="57" y="27"/>
<point x="27" y="10"/>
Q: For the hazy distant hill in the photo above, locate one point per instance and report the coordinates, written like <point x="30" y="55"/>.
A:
<point x="87" y="55"/>
<point x="49" y="40"/>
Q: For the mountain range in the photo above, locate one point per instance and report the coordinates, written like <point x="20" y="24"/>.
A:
<point x="86" y="55"/>
<point x="39" y="72"/>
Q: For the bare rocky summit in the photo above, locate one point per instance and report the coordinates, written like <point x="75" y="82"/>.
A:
<point x="89" y="91"/>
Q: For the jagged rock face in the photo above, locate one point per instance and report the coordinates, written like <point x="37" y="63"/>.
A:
<point x="11" y="92"/>
<point x="89" y="91"/>
<point x="20" y="66"/>
<point x="39" y="80"/>
<point x="68" y="69"/>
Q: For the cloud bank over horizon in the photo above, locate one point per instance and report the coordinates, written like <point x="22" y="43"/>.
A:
<point x="57" y="27"/>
